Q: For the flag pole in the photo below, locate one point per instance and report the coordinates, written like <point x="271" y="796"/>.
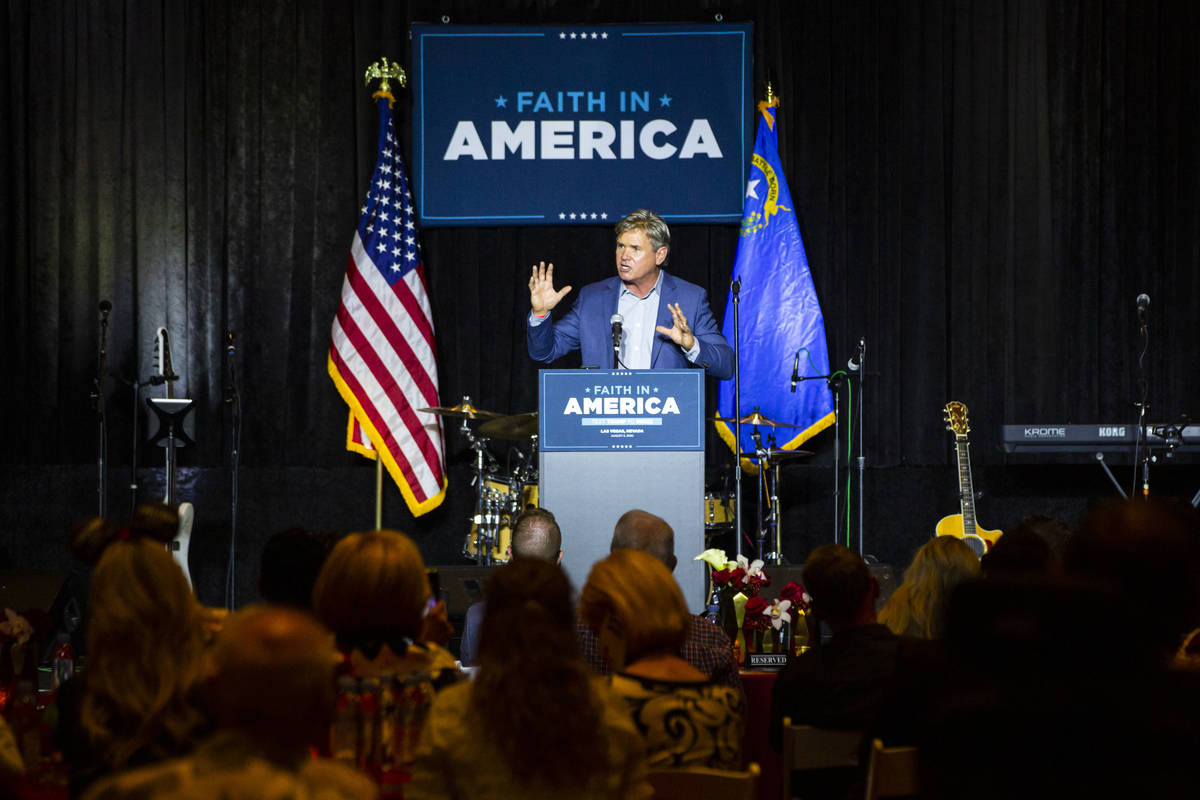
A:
<point x="378" y="492"/>
<point x="383" y="71"/>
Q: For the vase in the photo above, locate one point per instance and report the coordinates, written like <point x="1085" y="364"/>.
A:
<point x="754" y="641"/>
<point x="777" y="640"/>
<point x="799" y="632"/>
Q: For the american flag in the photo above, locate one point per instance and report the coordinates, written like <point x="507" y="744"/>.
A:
<point x="382" y="355"/>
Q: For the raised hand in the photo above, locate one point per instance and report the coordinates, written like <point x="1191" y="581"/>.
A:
<point x="542" y="296"/>
<point x="679" y="332"/>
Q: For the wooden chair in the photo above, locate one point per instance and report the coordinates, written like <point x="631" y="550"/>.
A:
<point x="702" y="783"/>
<point x="893" y="771"/>
<point x="806" y="747"/>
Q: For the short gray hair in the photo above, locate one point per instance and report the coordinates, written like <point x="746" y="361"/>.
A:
<point x="649" y="223"/>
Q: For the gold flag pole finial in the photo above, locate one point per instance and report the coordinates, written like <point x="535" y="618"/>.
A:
<point x="384" y="71"/>
<point x="771" y="101"/>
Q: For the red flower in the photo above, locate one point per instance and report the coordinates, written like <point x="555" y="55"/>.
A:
<point x="756" y="605"/>
<point x="794" y="592"/>
<point x="738" y="578"/>
<point x="720" y="576"/>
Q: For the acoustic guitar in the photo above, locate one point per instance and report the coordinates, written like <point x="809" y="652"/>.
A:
<point x="963" y="525"/>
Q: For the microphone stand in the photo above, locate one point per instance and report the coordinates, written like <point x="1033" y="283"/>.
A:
<point x="101" y="419"/>
<point x="735" y="289"/>
<point x="1143" y="443"/>
<point x="234" y="400"/>
<point x="861" y="369"/>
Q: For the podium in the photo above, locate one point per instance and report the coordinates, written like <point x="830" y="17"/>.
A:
<point x="614" y="440"/>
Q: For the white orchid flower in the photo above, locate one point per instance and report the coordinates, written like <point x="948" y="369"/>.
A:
<point x="777" y="612"/>
<point x="755" y="567"/>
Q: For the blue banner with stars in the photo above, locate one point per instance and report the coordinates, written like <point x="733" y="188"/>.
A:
<point x="569" y="125"/>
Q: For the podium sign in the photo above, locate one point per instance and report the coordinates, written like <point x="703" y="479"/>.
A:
<point x="615" y="440"/>
<point x="621" y="410"/>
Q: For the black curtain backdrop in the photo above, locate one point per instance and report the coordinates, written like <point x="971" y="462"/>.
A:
<point x="983" y="189"/>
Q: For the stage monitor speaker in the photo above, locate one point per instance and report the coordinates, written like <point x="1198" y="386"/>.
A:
<point x="461" y="586"/>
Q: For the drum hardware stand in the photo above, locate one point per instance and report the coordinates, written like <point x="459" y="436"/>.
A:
<point x="486" y="516"/>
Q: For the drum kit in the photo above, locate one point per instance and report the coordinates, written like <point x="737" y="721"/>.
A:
<point x="502" y="494"/>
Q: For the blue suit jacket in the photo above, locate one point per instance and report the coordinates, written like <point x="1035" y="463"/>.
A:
<point x="586" y="328"/>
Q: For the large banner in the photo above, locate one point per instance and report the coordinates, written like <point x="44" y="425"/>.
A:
<point x="567" y="125"/>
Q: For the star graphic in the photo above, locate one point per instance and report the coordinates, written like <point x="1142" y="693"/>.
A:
<point x="664" y="101"/>
<point x="604" y="215"/>
<point x="501" y="102"/>
<point x="604" y="35"/>
<point x="562" y="35"/>
<point x="561" y="215"/>
<point x="573" y="35"/>
<point x="750" y="186"/>
<point x="593" y="34"/>
<point x="572" y="215"/>
<point x="593" y="215"/>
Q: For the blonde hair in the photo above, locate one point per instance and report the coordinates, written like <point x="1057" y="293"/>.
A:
<point x="918" y="606"/>
<point x="372" y="582"/>
<point x="146" y="654"/>
<point x="643" y="599"/>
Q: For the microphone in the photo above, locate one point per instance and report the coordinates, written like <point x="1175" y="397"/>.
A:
<point x="855" y="363"/>
<point x="229" y="348"/>
<point x="1143" y="302"/>
<point x="105" y="307"/>
<point x="616" y="320"/>
<point x="796" y="371"/>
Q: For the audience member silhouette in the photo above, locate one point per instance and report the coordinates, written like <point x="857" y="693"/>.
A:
<point x="373" y="593"/>
<point x="271" y="695"/>
<point x="535" y="722"/>
<point x="638" y="613"/>
<point x="1070" y="675"/>
<point x="534" y="535"/>
<point x="918" y="606"/>
<point x="706" y="647"/>
<point x="139" y="700"/>
<point x="288" y="569"/>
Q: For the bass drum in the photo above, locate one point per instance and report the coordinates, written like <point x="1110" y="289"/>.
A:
<point x="501" y="507"/>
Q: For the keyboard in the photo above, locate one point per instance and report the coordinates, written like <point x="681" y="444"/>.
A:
<point x="1055" y="438"/>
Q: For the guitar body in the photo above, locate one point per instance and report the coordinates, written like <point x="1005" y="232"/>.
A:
<point x="178" y="547"/>
<point x="980" y="541"/>
<point x="963" y="525"/>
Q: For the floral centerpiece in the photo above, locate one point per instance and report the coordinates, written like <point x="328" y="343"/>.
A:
<point x="741" y="582"/>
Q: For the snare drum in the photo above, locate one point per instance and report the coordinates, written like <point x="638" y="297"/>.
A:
<point x="718" y="511"/>
<point x="501" y="507"/>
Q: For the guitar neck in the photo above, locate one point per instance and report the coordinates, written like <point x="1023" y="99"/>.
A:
<point x="966" y="488"/>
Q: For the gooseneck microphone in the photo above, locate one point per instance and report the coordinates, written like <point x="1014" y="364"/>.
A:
<point x="616" y="320"/>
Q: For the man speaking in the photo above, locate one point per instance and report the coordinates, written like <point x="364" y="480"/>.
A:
<point x="649" y="318"/>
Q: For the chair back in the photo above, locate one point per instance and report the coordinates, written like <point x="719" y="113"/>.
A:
<point x="704" y="783"/>
<point x="806" y="747"/>
<point x="893" y="771"/>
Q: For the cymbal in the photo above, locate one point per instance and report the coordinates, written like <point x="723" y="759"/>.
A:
<point x="775" y="455"/>
<point x="518" y="426"/>
<point x="462" y="411"/>
<point x="758" y="419"/>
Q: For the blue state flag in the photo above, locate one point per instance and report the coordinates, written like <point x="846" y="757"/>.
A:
<point x="779" y="313"/>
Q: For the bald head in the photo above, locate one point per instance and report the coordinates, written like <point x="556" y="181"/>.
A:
<point x="273" y="673"/>
<point x="641" y="530"/>
<point x="536" y="535"/>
